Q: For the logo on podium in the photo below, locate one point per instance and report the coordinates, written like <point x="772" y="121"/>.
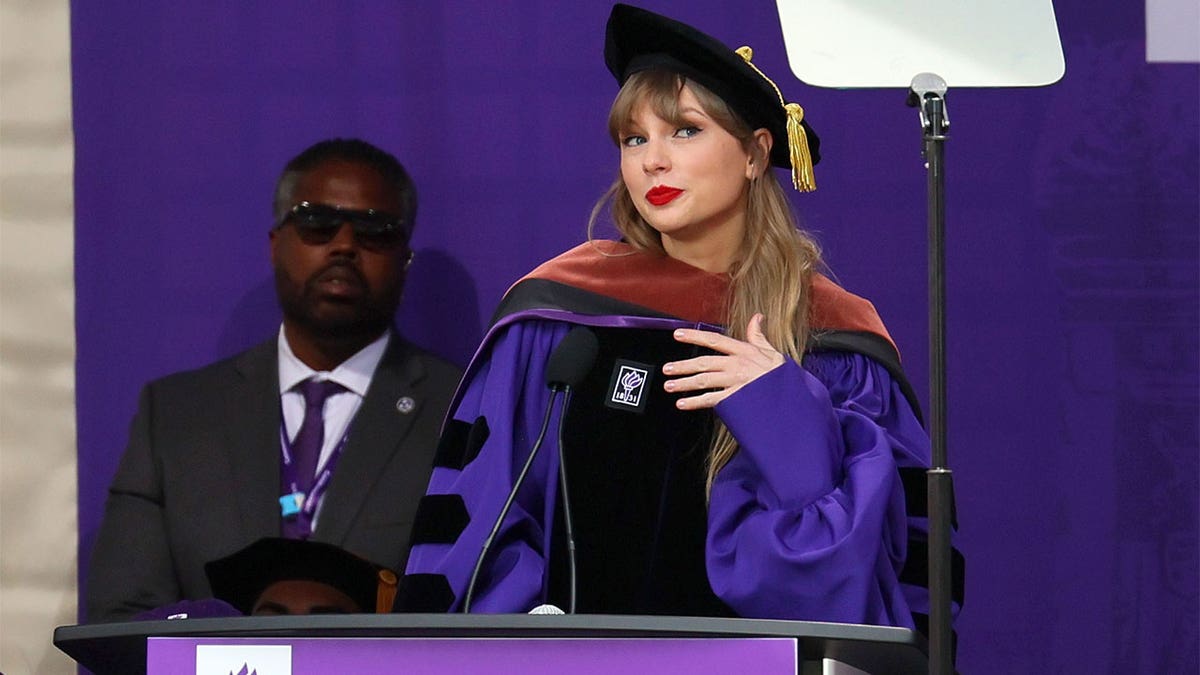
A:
<point x="243" y="660"/>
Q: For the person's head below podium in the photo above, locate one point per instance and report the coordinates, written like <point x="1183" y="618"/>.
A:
<point x="343" y="216"/>
<point x="276" y="576"/>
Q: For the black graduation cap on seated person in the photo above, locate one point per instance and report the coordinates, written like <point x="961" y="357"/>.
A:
<point x="638" y="40"/>
<point x="241" y="577"/>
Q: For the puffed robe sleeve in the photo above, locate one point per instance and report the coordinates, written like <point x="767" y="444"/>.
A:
<point x="807" y="520"/>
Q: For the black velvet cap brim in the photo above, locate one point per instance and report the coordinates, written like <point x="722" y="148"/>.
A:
<point x="241" y="577"/>
<point x="638" y="40"/>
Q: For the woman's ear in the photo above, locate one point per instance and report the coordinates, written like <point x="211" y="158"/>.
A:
<point x="760" y="154"/>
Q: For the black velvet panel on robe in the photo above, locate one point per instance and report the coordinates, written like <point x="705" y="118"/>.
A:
<point x="636" y="483"/>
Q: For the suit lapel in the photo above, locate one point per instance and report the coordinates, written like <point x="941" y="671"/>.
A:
<point x="252" y="440"/>
<point x="376" y="434"/>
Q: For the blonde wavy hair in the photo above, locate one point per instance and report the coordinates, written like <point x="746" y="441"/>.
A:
<point x="770" y="274"/>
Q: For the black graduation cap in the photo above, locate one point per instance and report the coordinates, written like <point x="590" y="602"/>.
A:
<point x="240" y="578"/>
<point x="638" y="40"/>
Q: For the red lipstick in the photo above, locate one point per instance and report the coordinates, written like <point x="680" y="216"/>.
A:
<point x="661" y="195"/>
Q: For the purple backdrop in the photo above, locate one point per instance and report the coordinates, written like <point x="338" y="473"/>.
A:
<point x="1072" y="254"/>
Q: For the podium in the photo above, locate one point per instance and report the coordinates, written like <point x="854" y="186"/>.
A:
<point x="490" y="644"/>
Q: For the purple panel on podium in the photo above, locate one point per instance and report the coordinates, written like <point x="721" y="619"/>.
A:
<point x="494" y="656"/>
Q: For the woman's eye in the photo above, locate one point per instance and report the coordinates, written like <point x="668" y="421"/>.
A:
<point x="632" y="141"/>
<point x="687" y="132"/>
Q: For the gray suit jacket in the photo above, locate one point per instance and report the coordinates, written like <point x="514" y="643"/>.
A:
<point x="200" y="475"/>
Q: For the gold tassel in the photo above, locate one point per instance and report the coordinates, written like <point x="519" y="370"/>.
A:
<point x="802" y="166"/>
<point x="803" y="177"/>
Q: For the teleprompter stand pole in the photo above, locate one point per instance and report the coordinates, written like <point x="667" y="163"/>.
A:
<point x="928" y="94"/>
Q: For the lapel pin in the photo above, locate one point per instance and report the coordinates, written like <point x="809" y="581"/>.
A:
<point x="405" y="405"/>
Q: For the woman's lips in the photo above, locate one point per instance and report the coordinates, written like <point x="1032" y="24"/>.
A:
<point x="662" y="195"/>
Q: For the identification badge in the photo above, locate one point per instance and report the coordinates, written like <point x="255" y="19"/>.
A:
<point x="290" y="505"/>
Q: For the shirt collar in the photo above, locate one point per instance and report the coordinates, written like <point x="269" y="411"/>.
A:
<point x="354" y="373"/>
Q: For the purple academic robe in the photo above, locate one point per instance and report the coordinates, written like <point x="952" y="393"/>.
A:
<point x="807" y="521"/>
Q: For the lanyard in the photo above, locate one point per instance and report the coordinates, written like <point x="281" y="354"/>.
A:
<point x="301" y="497"/>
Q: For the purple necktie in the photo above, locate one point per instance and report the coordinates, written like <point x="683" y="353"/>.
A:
<point x="306" y="448"/>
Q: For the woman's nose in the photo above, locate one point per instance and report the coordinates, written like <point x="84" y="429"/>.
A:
<point x="656" y="158"/>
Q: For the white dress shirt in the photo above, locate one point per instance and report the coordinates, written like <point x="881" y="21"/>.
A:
<point x="354" y="374"/>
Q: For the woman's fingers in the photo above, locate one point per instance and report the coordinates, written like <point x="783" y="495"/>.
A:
<point x="706" y="338"/>
<point x="717" y="376"/>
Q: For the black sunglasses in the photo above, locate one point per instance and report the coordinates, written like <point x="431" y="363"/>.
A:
<point x="318" y="224"/>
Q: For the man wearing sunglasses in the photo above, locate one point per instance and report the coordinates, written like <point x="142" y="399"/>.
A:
<point x="326" y="431"/>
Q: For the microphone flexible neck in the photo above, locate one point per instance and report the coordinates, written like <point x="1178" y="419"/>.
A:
<point x="512" y="496"/>
<point x="568" y="528"/>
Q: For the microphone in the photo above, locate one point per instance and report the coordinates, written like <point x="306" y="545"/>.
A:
<point x="569" y="363"/>
<point x="567" y="373"/>
<point x="572" y="359"/>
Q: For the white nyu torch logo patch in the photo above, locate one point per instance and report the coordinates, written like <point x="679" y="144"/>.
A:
<point x="629" y="386"/>
<point x="627" y="389"/>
